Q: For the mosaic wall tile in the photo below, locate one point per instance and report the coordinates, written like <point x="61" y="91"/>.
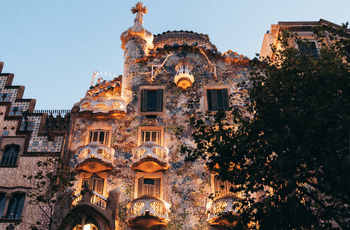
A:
<point x="8" y="95"/>
<point x="2" y="82"/>
<point x="40" y="143"/>
<point x="18" y="107"/>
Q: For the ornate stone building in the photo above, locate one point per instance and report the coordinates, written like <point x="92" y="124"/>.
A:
<point x="123" y="138"/>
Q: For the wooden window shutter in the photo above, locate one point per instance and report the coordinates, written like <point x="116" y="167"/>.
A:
<point x="157" y="187"/>
<point x="99" y="185"/>
<point x="225" y="99"/>
<point x="144" y="94"/>
<point x="139" y="187"/>
<point x="159" y="100"/>
<point x="212" y="100"/>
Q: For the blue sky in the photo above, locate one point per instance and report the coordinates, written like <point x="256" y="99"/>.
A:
<point x="54" y="46"/>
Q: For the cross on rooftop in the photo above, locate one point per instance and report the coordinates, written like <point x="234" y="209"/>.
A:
<point x="139" y="9"/>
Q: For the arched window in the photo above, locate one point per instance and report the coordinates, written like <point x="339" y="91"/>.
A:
<point x="15" y="208"/>
<point x="9" y="158"/>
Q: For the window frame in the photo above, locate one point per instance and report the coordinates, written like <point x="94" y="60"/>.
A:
<point x="8" y="141"/>
<point x="159" y="176"/>
<point x="9" y="196"/>
<point x="99" y="127"/>
<point x="150" y="128"/>
<point x="86" y="175"/>
<point x="216" y="87"/>
<point x="317" y="46"/>
<point x="227" y="185"/>
<point x="141" y="98"/>
<point x="11" y="153"/>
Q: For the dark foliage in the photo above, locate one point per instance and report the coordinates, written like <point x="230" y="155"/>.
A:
<point x="290" y="158"/>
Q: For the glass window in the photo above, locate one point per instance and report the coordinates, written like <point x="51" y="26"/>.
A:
<point x="152" y="100"/>
<point x="10" y="156"/>
<point x="95" y="183"/>
<point x="222" y="187"/>
<point x="309" y="48"/>
<point x="217" y="99"/>
<point x="16" y="206"/>
<point x="151" y="135"/>
<point x="100" y="136"/>
<point x="149" y="186"/>
<point x="2" y="203"/>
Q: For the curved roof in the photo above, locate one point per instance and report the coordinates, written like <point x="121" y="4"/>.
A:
<point x="181" y="37"/>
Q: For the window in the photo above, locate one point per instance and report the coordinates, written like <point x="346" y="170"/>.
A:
<point x="152" y="100"/>
<point x="151" y="133"/>
<point x="309" y="48"/>
<point x="100" y="136"/>
<point x="221" y="188"/>
<point x="2" y="203"/>
<point x="148" y="186"/>
<point x="9" y="158"/>
<point x="15" y="205"/>
<point x="217" y="99"/>
<point x="95" y="183"/>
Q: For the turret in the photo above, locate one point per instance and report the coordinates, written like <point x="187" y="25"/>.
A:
<point x="136" y="41"/>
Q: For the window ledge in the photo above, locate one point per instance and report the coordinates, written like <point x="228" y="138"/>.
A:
<point x="6" y="220"/>
<point x="8" y="166"/>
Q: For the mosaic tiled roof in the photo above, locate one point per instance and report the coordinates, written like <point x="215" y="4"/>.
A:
<point x="181" y="37"/>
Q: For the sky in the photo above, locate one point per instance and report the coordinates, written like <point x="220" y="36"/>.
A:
<point x="53" y="47"/>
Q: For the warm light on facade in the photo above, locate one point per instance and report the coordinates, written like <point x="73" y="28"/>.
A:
<point x="184" y="78"/>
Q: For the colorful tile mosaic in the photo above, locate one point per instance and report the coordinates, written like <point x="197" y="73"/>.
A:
<point x="18" y="107"/>
<point x="40" y="143"/>
<point x="8" y="95"/>
<point x="2" y="82"/>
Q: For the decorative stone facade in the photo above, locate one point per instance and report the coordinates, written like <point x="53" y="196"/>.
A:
<point x="123" y="138"/>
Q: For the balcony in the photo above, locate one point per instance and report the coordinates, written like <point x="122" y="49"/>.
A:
<point x="222" y="211"/>
<point x="148" y="212"/>
<point x="95" y="157"/>
<point x="150" y="157"/>
<point x="93" y="208"/>
<point x="93" y="198"/>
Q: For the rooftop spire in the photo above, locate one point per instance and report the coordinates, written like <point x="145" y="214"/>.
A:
<point x="139" y="10"/>
<point x="137" y="29"/>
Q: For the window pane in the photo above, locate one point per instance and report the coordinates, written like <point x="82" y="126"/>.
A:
<point x="10" y="155"/>
<point x="151" y="135"/>
<point x="152" y="101"/>
<point x="219" y="97"/>
<point x="2" y="203"/>
<point x="16" y="206"/>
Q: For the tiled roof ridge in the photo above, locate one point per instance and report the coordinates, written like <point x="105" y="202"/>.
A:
<point x="183" y="31"/>
<point x="180" y="38"/>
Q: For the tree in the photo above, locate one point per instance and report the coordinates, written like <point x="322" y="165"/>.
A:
<point x="49" y="183"/>
<point x="293" y="148"/>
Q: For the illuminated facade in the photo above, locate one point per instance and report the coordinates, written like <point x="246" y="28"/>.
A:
<point x="302" y="29"/>
<point x="123" y="138"/>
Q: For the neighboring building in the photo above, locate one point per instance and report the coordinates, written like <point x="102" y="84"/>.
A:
<point x="26" y="138"/>
<point x="303" y="31"/>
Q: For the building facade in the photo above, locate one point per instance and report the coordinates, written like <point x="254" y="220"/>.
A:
<point x="123" y="138"/>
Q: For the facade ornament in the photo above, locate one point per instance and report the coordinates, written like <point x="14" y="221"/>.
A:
<point x="139" y="10"/>
<point x="137" y="29"/>
<point x="184" y="78"/>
